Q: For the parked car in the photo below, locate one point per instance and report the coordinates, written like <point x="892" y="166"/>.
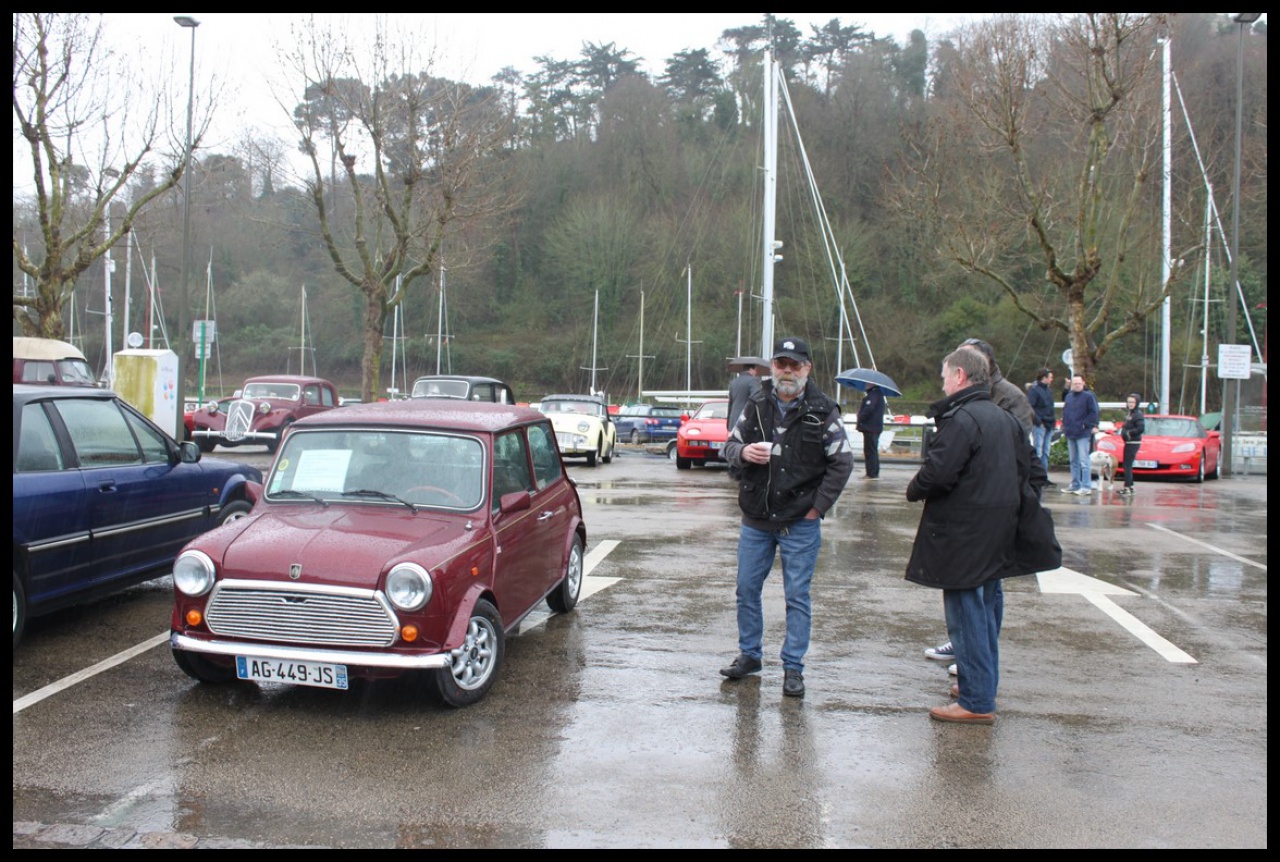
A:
<point x="647" y="423"/>
<point x="103" y="498"/>
<point x="701" y="437"/>
<point x="463" y="388"/>
<point x="406" y="536"/>
<point x="1177" y="446"/>
<point x="261" y="411"/>
<point x="584" y="428"/>
<point x="48" y="361"/>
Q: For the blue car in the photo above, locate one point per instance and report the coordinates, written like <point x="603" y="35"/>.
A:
<point x="645" y="423"/>
<point x="103" y="498"/>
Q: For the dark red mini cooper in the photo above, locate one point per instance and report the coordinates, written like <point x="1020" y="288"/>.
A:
<point x="400" y="536"/>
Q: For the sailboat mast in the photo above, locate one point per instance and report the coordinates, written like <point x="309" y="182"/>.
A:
<point x="302" y="343"/>
<point x="595" y="328"/>
<point x="688" y="333"/>
<point x="770" y="125"/>
<point x="440" y="322"/>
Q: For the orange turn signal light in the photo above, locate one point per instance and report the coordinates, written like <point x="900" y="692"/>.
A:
<point x="475" y="570"/>
<point x="409" y="633"/>
<point x="194" y="617"/>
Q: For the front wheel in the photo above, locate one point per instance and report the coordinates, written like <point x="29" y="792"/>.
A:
<point x="19" y="610"/>
<point x="683" y="463"/>
<point x="207" y="444"/>
<point x="1200" y="470"/>
<point x="635" y="437"/>
<point x="591" y="458"/>
<point x="473" y="666"/>
<point x="565" y="596"/>
<point x="608" y="457"/>
<point x="273" y="445"/>
<point x="672" y="454"/>
<point x="234" y="511"/>
<point x="202" y="668"/>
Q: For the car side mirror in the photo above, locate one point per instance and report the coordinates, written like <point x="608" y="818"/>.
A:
<point x="516" y="501"/>
<point x="188" y="452"/>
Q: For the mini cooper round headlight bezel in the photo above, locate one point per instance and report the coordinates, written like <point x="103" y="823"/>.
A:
<point x="194" y="573"/>
<point x="408" y="587"/>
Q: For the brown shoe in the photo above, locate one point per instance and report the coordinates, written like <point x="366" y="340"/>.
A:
<point x="955" y="690"/>
<point x="956" y="713"/>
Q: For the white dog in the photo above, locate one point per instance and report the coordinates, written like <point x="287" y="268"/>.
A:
<point x="1103" y="465"/>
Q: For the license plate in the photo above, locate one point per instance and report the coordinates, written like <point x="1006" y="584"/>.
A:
<point x="292" y="672"/>
<point x="1145" y="465"/>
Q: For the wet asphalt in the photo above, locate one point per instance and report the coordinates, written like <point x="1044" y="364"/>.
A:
<point x="1132" y="709"/>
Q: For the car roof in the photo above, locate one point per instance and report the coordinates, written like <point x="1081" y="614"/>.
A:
<point x="24" y="393"/>
<point x="467" y="377"/>
<point x="594" y="399"/>
<point x="30" y="347"/>
<point x="441" y="414"/>
<point x="286" y="378"/>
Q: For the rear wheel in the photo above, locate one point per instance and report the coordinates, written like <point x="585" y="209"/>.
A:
<point x="19" y="610"/>
<point x="635" y="437"/>
<point x="233" y="511"/>
<point x="473" y="666"/>
<point x="608" y="456"/>
<point x="202" y="668"/>
<point x="206" y="444"/>
<point x="563" y="598"/>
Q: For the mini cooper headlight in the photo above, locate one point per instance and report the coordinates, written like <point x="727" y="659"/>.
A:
<point x="193" y="573"/>
<point x="408" y="586"/>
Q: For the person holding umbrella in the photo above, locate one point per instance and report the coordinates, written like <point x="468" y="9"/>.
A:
<point x="871" y="424"/>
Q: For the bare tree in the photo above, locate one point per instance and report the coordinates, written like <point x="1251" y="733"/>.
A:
<point x="89" y="127"/>
<point x="418" y="156"/>
<point x="1041" y="164"/>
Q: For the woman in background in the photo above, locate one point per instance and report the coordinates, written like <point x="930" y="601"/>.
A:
<point x="1131" y="434"/>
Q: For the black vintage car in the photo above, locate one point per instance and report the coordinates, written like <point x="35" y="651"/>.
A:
<point x="462" y="388"/>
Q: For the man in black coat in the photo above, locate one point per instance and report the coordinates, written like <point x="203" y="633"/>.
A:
<point x="971" y="483"/>
<point x="871" y="425"/>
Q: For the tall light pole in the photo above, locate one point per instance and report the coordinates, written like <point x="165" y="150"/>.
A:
<point x="183" y="339"/>
<point x="1229" y="396"/>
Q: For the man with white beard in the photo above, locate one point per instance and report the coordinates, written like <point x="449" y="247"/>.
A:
<point x="791" y="448"/>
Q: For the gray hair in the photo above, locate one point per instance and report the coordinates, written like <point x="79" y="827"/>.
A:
<point x="973" y="362"/>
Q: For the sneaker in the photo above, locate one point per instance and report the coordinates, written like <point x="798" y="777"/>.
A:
<point x="942" y="652"/>
<point x="952" y="670"/>
<point x="1070" y="489"/>
<point x="1125" y="491"/>
<point x="1083" y="492"/>
<point x="793" y="683"/>
<point x="742" y="665"/>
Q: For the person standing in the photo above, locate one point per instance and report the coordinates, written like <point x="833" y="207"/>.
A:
<point x="740" y="389"/>
<point x="1041" y="398"/>
<point x="1079" y="422"/>
<point x="971" y="485"/>
<point x="1135" y="424"/>
<point x="791" y="447"/>
<point x="871" y="424"/>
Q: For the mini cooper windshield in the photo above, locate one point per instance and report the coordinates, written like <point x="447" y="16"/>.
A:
<point x="380" y="466"/>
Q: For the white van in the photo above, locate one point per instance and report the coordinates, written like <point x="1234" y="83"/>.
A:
<point x="51" y="362"/>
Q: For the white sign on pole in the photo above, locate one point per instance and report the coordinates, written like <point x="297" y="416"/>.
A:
<point x="1233" y="361"/>
<point x="1067" y="358"/>
<point x="203" y="330"/>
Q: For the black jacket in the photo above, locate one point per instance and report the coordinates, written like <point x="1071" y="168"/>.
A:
<point x="1041" y="399"/>
<point x="1135" y="425"/>
<point x="972" y="485"/>
<point x="871" y="412"/>
<point x="811" y="459"/>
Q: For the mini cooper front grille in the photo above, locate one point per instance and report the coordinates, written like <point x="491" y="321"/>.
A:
<point x="302" y="617"/>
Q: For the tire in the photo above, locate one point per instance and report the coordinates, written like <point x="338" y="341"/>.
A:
<point x="1199" y="479"/>
<point x="608" y="459"/>
<point x="683" y="463"/>
<point x="564" y="597"/>
<point x="635" y="437"/>
<point x="475" y="664"/>
<point x="672" y="454"/>
<point x="19" y="610"/>
<point x="234" y="511"/>
<point x="203" y="669"/>
<point x="273" y="445"/>
<point x="591" y="459"/>
<point x="206" y="444"/>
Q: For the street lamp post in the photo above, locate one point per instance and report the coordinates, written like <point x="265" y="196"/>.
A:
<point x="1242" y="19"/>
<point x="183" y="310"/>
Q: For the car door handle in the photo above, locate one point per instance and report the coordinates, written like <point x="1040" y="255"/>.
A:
<point x="546" y="515"/>
<point x="108" y="488"/>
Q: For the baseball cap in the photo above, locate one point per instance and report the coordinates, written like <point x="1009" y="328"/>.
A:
<point x="791" y="348"/>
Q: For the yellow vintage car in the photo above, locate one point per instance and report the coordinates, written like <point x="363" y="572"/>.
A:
<point x="583" y="426"/>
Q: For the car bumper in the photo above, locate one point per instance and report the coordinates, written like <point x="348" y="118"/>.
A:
<point x="354" y="658"/>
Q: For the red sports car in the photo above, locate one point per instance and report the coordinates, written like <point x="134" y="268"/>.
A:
<point x="1177" y="446"/>
<point x="701" y="437"/>
<point x="261" y="412"/>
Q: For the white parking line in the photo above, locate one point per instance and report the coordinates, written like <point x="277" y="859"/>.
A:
<point x="1210" y="547"/>
<point x="590" y="586"/>
<point x="81" y="675"/>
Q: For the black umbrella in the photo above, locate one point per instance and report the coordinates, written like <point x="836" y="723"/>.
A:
<point x="742" y="363"/>
<point x="861" y="378"/>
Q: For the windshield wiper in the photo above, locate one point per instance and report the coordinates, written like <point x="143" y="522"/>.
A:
<point x="292" y="493"/>
<point x="383" y="495"/>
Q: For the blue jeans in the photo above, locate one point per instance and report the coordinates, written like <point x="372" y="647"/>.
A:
<point x="1078" y="449"/>
<point x="799" y="546"/>
<point x="1041" y="437"/>
<point x="973" y="623"/>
